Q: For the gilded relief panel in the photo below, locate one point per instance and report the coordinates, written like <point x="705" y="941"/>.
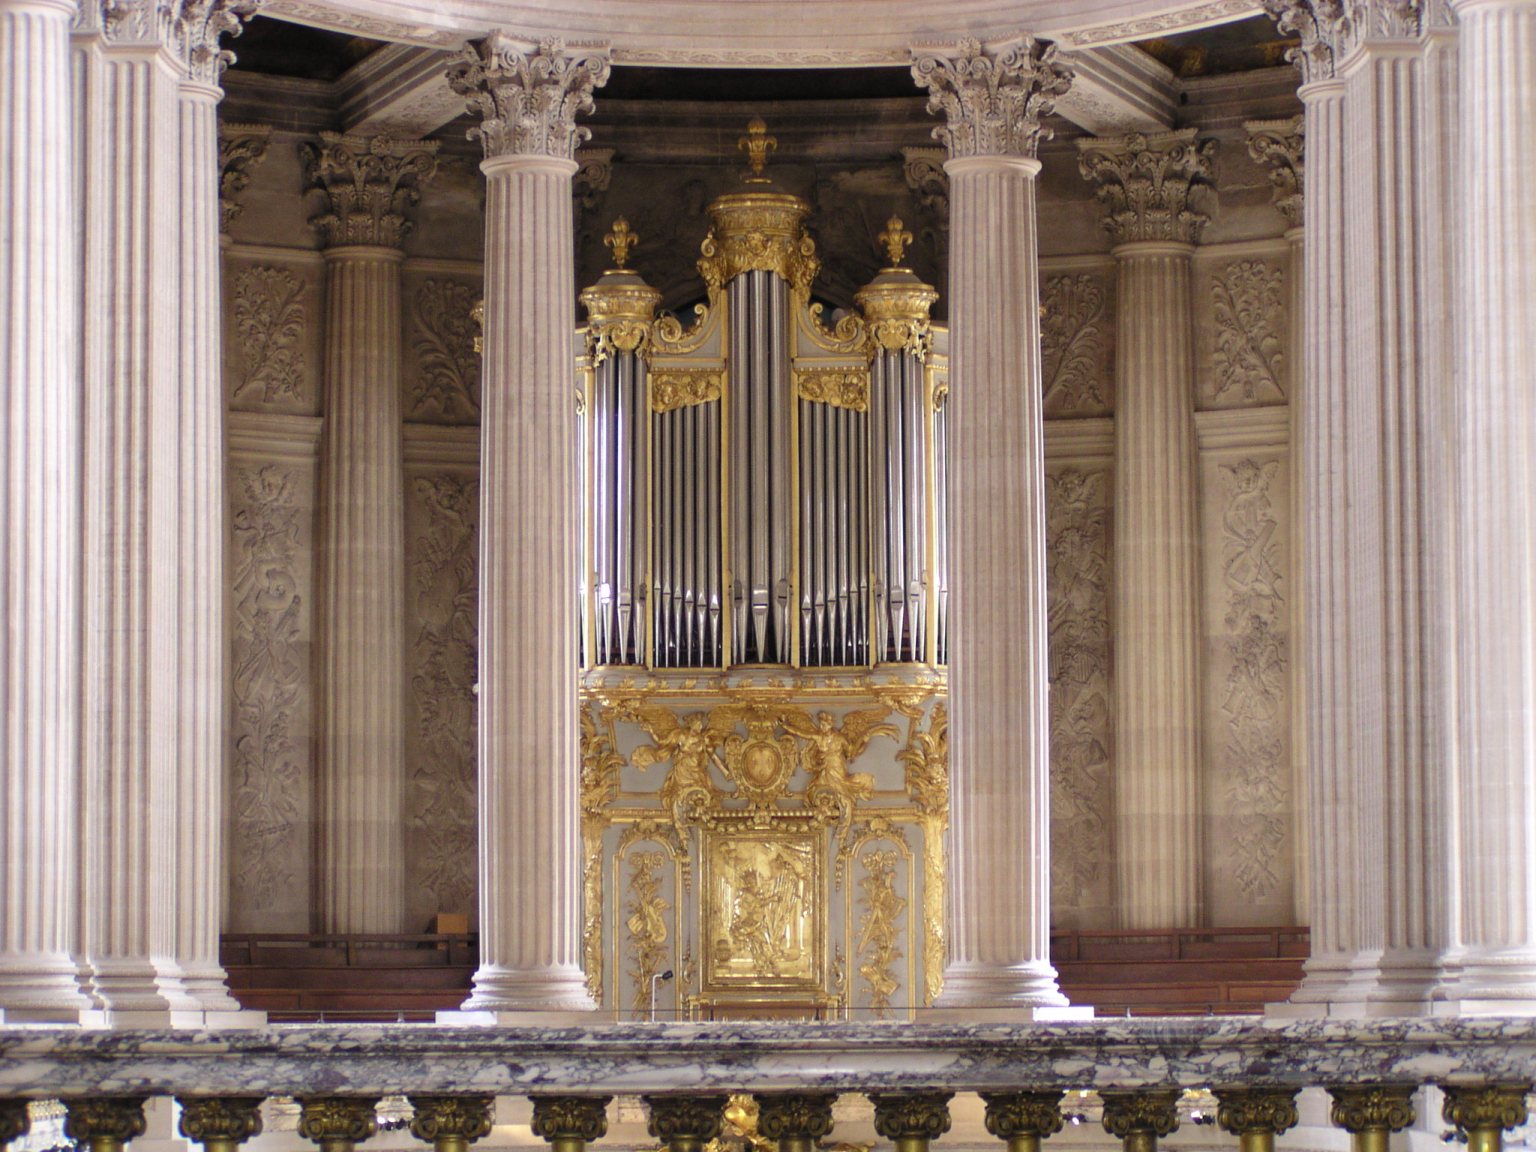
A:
<point x="795" y="835"/>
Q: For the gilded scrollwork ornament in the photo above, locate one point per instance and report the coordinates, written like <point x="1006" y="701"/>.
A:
<point x="570" y="1122"/>
<point x="1264" y="1112"/>
<point x="220" y="1123"/>
<point x="336" y="1123"/>
<point x="1139" y="1119"/>
<point x="1483" y="1112"/>
<point x="527" y="102"/>
<point x="104" y="1123"/>
<point x="1023" y="1118"/>
<point x="1373" y="1107"/>
<point x="994" y="102"/>
<point x="839" y="387"/>
<point x="911" y="1119"/>
<point x="681" y="387"/>
<point x="795" y="1120"/>
<point x="686" y="1123"/>
<point x="451" y="1123"/>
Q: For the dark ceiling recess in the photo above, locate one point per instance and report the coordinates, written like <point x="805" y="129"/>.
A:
<point x="282" y="49"/>
<point x="1242" y="46"/>
<point x="757" y="85"/>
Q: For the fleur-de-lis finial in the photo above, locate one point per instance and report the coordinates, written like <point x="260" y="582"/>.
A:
<point x="757" y="144"/>
<point x="895" y="238"/>
<point x="621" y="240"/>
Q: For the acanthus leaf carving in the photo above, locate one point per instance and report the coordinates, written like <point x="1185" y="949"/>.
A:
<point x="1282" y="145"/>
<point x="368" y="184"/>
<point x="242" y="148"/>
<point x="1150" y="185"/>
<point x="193" y="30"/>
<point x="994" y="103"/>
<point x="1074" y="348"/>
<point x="527" y="102"/>
<point x="1249" y="351"/>
<point x="447" y="384"/>
<point x="270" y="321"/>
<point x="445" y="583"/>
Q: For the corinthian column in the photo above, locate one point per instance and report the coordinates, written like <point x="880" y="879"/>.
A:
<point x="1145" y="184"/>
<point x="1496" y="791"/>
<point x="39" y="520"/>
<point x="367" y="186"/>
<point x="145" y="86"/>
<point x="530" y="883"/>
<point x="999" y="895"/>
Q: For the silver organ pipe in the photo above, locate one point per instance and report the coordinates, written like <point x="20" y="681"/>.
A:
<point x="940" y="408"/>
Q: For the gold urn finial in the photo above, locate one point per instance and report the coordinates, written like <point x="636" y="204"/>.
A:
<point x="757" y="144"/>
<point x="621" y="240"/>
<point x="895" y="238"/>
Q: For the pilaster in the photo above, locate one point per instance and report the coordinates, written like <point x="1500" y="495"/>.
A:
<point x="367" y="186"/>
<point x="1151" y="187"/>
<point x="529" y="755"/>
<point x="994" y="103"/>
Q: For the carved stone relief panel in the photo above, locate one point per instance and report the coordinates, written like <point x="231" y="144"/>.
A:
<point x="442" y="542"/>
<point x="1245" y="497"/>
<point x="1077" y="341"/>
<point x="1079" y="567"/>
<point x="440" y="367"/>
<point x="271" y="517"/>
<point x="1243" y="330"/>
<point x="272" y="334"/>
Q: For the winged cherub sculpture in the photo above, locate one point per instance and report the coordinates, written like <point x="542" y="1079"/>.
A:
<point x="830" y="749"/>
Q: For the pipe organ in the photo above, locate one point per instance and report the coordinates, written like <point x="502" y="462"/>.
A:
<point x="764" y="612"/>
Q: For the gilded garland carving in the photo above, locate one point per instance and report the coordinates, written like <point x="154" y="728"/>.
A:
<point x="1246" y="300"/>
<point x="646" y="918"/>
<point x="191" y="29"/>
<point x="1245" y="1111"/>
<point x="269" y="685"/>
<point x="680" y="387"/>
<point x="368" y="186"/>
<point x="1485" y="1106"/>
<point x="1375" y="1107"/>
<point x="242" y="148"/>
<point x="926" y="761"/>
<point x="1149" y="184"/>
<point x="600" y="767"/>
<point x="1281" y="144"/>
<point x="445" y="587"/>
<point x="1014" y="1114"/>
<point x="571" y="1117"/>
<point x="993" y="103"/>
<point x="879" y="931"/>
<point x="447" y="383"/>
<point x="220" y="1119"/>
<point x="451" y="1118"/>
<point x="527" y="102"/>
<point x="1077" y="548"/>
<point x="269" y="323"/>
<point x="1255" y="694"/>
<point x="1141" y="1113"/>
<point x="1074" y="345"/>
<point x="839" y="387"/>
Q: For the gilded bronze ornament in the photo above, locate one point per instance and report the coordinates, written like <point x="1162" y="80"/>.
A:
<point x="220" y="1123"/>
<point x="569" y="1123"/>
<point x="911" y="1119"/>
<point x="1482" y="1112"/>
<point x="104" y="1123"/>
<point x="686" y="1123"/>
<point x="451" y="1123"/>
<point x="1137" y="1119"/>
<point x="1256" y="1115"/>
<point x="336" y="1123"/>
<point x="1371" y="1113"/>
<point x="797" y="1121"/>
<point x="1023" y="1118"/>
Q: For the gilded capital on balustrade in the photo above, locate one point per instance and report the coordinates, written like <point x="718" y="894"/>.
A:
<point x="798" y="1116"/>
<point x="1132" y="1115"/>
<point x="368" y="183"/>
<point x="909" y="1116"/>
<point x="685" y="1122"/>
<point x="1011" y="1115"/>
<point x="105" y="1123"/>
<point x="1246" y="1110"/>
<point x="1485" y="1106"/>
<point x="1373" y="1107"/>
<point x="451" y="1121"/>
<point x="994" y="103"/>
<point x="1148" y="184"/>
<point x="527" y="102"/>
<point x="565" y="1118"/>
<point x="337" y="1122"/>
<point x="220" y="1121"/>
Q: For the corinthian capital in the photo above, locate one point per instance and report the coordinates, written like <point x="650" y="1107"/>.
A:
<point x="369" y="183"/>
<point x="993" y="103"/>
<point x="191" y="29"/>
<point x="1330" y="29"/>
<point x="1281" y="145"/>
<point x="242" y="148"/>
<point x="1146" y="182"/>
<point x="527" y="102"/>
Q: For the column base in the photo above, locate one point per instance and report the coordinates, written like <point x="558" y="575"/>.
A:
<point x="559" y="991"/>
<point x="1492" y="982"/>
<point x="173" y="1018"/>
<point x="43" y="988"/>
<point x="1366" y="984"/>
<point x="1004" y="993"/>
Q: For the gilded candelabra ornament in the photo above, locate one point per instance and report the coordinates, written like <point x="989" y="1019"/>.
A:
<point x="796" y="1121"/>
<point x="686" y="1123"/>
<point x="896" y="303"/>
<point x="14" y="1121"/>
<point x="1256" y="1115"/>
<point x="757" y="144"/>
<point x="1137" y="1119"/>
<point x="570" y="1123"/>
<point x="220" y="1123"/>
<point x="911" y="1119"/>
<point x="1483" y="1112"/>
<point x="104" y="1123"/>
<point x="1023" y="1118"/>
<point x="336" y="1123"/>
<point x="1370" y="1113"/>
<point x="451" y="1123"/>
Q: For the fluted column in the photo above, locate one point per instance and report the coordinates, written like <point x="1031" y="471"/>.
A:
<point x="1147" y="184"/>
<point x="1281" y="145"/>
<point x="999" y="891"/>
<point x="39" y="521"/>
<point x="368" y="185"/>
<point x="529" y="755"/>
<point x="1496" y="570"/>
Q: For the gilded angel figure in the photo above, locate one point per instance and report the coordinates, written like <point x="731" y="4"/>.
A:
<point x="689" y="742"/>
<point x="830" y="749"/>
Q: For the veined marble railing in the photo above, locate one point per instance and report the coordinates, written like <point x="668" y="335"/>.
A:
<point x="1484" y="1068"/>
